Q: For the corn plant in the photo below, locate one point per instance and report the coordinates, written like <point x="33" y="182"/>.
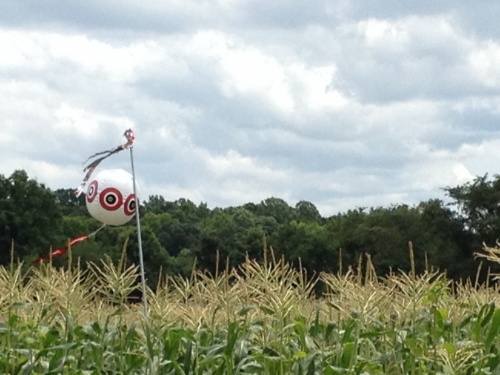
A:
<point x="258" y="318"/>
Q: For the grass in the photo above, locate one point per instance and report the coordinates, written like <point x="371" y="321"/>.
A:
<point x="261" y="318"/>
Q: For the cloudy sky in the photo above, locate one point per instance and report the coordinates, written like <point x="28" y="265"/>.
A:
<point x="343" y="103"/>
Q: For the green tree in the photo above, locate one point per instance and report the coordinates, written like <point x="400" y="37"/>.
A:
<point x="157" y="260"/>
<point x="276" y="208"/>
<point x="29" y="217"/>
<point x="173" y="234"/>
<point x="478" y="204"/>
<point x="384" y="233"/>
<point x="156" y="204"/>
<point x="229" y="234"/>
<point x="307" y="243"/>
<point x="69" y="203"/>
<point x="447" y="244"/>
<point x="306" y="211"/>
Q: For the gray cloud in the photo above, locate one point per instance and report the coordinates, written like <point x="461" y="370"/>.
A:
<point x="345" y="103"/>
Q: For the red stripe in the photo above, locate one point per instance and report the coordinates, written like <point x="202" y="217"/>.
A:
<point x="60" y="251"/>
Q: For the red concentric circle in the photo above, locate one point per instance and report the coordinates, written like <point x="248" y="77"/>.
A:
<point x="130" y="205"/>
<point x="111" y="199"/>
<point x="92" y="191"/>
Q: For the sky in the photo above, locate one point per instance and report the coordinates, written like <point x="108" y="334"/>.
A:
<point x="342" y="103"/>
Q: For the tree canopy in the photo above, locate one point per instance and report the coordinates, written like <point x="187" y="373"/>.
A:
<point x="29" y="217"/>
<point x="179" y="235"/>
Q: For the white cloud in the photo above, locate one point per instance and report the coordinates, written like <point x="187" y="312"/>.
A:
<point x="349" y="105"/>
<point x="318" y="91"/>
<point x="384" y="34"/>
<point x="462" y="174"/>
<point x="485" y="62"/>
<point x="76" y="122"/>
<point x="245" y="70"/>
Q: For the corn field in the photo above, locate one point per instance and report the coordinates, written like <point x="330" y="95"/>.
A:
<point x="260" y="318"/>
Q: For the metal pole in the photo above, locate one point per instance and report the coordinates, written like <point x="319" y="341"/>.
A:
<point x="139" y="239"/>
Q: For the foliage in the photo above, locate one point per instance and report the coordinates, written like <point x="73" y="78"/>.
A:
<point x="258" y="318"/>
<point x="180" y="235"/>
<point x="70" y="204"/>
<point x="437" y="237"/>
<point x="221" y="303"/>
<point x="29" y="216"/>
<point x="478" y="205"/>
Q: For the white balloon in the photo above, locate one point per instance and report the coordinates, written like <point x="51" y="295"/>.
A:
<point x="110" y="197"/>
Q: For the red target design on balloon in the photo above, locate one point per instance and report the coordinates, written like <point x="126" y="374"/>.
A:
<point x="130" y="205"/>
<point x="111" y="199"/>
<point x="92" y="191"/>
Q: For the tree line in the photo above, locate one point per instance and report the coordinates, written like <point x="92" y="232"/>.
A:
<point x="180" y="235"/>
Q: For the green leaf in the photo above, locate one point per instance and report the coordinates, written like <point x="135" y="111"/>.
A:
<point x="188" y="357"/>
<point x="347" y="332"/>
<point x="450" y="348"/>
<point x="494" y="329"/>
<point x="13" y="319"/>
<point x="348" y="354"/>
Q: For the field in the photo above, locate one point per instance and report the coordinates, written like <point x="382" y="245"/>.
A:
<point x="262" y="318"/>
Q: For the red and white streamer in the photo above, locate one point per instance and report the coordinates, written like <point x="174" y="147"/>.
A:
<point x="130" y="138"/>
<point x="63" y="250"/>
